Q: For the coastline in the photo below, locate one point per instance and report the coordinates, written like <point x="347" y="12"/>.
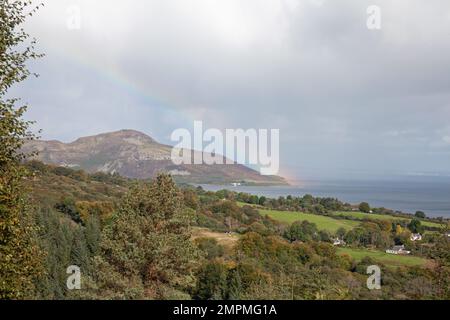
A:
<point x="404" y="196"/>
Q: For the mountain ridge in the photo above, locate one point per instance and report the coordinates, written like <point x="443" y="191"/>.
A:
<point x="134" y="154"/>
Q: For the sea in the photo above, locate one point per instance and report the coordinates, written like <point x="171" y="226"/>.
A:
<point x="430" y="195"/>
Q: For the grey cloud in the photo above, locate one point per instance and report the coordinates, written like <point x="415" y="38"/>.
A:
<point x="310" y="68"/>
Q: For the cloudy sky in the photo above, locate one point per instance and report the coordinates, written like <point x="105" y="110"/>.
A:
<point x="349" y="101"/>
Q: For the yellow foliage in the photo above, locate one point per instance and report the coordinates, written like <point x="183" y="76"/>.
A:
<point x="102" y="209"/>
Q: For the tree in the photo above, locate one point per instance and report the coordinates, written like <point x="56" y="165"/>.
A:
<point x="79" y="254"/>
<point x="20" y="256"/>
<point x="92" y="235"/>
<point x="324" y="235"/>
<point x="190" y="199"/>
<point x="364" y="207"/>
<point x="57" y="237"/>
<point x="254" y="199"/>
<point x="146" y="251"/>
<point x="211" y="247"/>
<point x="234" y="285"/>
<point x="340" y="233"/>
<point x="420" y="214"/>
<point x="262" y="200"/>
<point x="212" y="282"/>
<point x="302" y="231"/>
<point x="415" y="226"/>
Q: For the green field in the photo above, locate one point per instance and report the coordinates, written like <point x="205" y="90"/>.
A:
<point x="322" y="222"/>
<point x="328" y="223"/>
<point x="241" y="204"/>
<point x="362" y="215"/>
<point x="385" y="258"/>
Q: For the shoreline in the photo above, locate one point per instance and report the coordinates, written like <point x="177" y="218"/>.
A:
<point x="399" y="196"/>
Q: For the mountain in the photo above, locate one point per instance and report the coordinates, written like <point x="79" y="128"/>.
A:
<point x="133" y="154"/>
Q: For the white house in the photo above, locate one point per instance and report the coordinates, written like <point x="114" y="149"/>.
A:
<point x="416" y="237"/>
<point x="338" y="242"/>
<point x="398" y="250"/>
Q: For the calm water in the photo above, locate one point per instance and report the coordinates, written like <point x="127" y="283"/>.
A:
<point x="429" y="195"/>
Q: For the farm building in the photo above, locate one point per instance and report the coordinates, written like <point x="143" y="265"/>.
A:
<point x="338" y="242"/>
<point x="398" y="250"/>
<point x="416" y="237"/>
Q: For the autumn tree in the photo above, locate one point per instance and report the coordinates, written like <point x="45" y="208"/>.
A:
<point x="19" y="254"/>
<point x="146" y="251"/>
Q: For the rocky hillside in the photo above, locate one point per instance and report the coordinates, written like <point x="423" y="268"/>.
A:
<point x="135" y="155"/>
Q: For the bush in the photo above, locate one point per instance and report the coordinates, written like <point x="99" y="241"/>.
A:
<point x="210" y="246"/>
<point x="364" y="207"/>
<point x="420" y="214"/>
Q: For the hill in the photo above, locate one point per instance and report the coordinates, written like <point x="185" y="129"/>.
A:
<point x="134" y="154"/>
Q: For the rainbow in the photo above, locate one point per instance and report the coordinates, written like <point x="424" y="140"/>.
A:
<point x="121" y="80"/>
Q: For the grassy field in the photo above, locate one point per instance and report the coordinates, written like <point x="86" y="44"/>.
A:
<point x="224" y="239"/>
<point x="362" y="215"/>
<point x="385" y="258"/>
<point x="241" y="204"/>
<point x="328" y="223"/>
<point x="322" y="222"/>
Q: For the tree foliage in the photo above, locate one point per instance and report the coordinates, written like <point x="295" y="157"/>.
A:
<point x="415" y="226"/>
<point x="146" y="251"/>
<point x="420" y="214"/>
<point x="20" y="256"/>
<point x="364" y="207"/>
